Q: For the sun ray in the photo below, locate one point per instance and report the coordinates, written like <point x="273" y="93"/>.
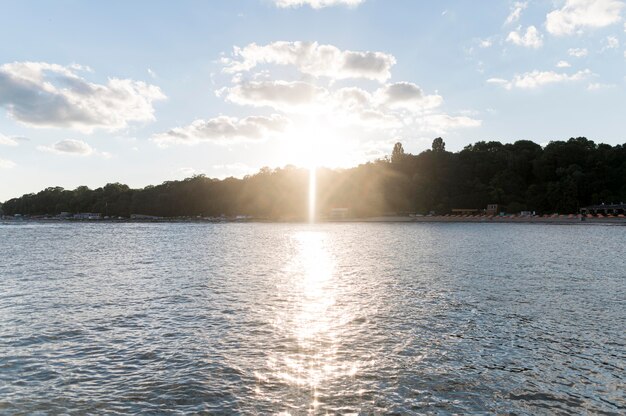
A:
<point x="312" y="192"/>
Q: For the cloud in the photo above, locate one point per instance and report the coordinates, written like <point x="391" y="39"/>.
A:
<point x="375" y="119"/>
<point x="611" y="42"/>
<point x="394" y="106"/>
<point x="314" y="100"/>
<point x="595" y="86"/>
<point x="563" y="64"/>
<point x="353" y="98"/>
<point x="577" y="52"/>
<point x="577" y="15"/>
<point x="223" y="129"/>
<point x="531" y="39"/>
<point x="313" y="59"/>
<point x="40" y="94"/>
<point x="6" y="164"/>
<point x="498" y="81"/>
<point x="353" y="105"/>
<point x="516" y="12"/>
<point x="536" y="79"/>
<point x="7" y="141"/>
<point x="383" y="108"/>
<point x="406" y="95"/>
<point x="281" y="95"/>
<point x="317" y="4"/>
<point x="69" y="147"/>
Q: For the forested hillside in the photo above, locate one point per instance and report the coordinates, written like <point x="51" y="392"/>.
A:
<point x="561" y="177"/>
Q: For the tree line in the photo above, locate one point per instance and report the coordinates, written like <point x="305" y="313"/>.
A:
<point x="522" y="176"/>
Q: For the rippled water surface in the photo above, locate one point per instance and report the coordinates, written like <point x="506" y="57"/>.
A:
<point x="335" y="318"/>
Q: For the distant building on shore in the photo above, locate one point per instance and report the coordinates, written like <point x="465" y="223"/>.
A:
<point x="466" y="211"/>
<point x="605" y="209"/>
<point x="87" y="216"/>
<point x="143" y="217"/>
<point x="492" y="209"/>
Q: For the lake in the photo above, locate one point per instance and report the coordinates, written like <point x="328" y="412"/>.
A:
<point x="312" y="319"/>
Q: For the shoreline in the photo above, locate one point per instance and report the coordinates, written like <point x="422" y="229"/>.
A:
<point x="561" y="220"/>
<point x="492" y="220"/>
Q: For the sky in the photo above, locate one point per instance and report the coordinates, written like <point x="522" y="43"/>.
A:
<point x="141" y="92"/>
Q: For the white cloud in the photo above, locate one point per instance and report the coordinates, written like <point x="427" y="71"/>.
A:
<point x="406" y="95"/>
<point x="374" y="119"/>
<point x="317" y="4"/>
<point x="595" y="86"/>
<point x="516" y="11"/>
<point x="339" y="111"/>
<point x="611" y="42"/>
<point x="313" y="59"/>
<point x="348" y="105"/>
<point x="498" y="81"/>
<point x="40" y="94"/>
<point x="352" y="105"/>
<point x="353" y="98"/>
<point x="578" y="52"/>
<point x="396" y="106"/>
<point x="485" y="43"/>
<point x="223" y="129"/>
<point x="401" y="105"/>
<point x="563" y="64"/>
<point x="577" y="15"/>
<point x="531" y="39"/>
<point x="281" y="95"/>
<point x="6" y="164"/>
<point x="7" y="141"/>
<point x="69" y="147"/>
<point x="536" y="79"/>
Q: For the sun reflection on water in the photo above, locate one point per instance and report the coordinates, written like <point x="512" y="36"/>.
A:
<point x="311" y="323"/>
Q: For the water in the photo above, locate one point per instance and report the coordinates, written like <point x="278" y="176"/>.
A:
<point x="299" y="319"/>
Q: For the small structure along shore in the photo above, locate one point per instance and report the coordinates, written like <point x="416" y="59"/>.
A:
<point x="519" y="219"/>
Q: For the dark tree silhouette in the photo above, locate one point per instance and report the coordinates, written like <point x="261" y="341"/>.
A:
<point x="397" y="155"/>
<point x="439" y="145"/>
<point x="561" y="177"/>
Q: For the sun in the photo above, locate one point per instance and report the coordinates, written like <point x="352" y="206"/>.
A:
<point x="316" y="143"/>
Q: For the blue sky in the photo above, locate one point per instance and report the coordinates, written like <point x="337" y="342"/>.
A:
<point x="146" y="91"/>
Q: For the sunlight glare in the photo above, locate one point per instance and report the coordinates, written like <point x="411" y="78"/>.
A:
<point x="313" y="320"/>
<point x="316" y="142"/>
<point x="312" y="192"/>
